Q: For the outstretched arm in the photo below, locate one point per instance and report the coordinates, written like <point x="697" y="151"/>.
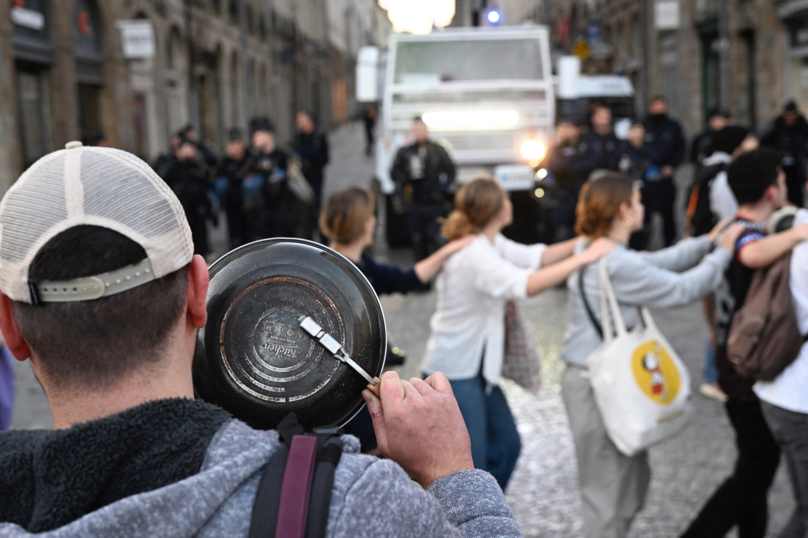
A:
<point x="764" y="252"/>
<point x="555" y="274"/>
<point x="427" y="268"/>
<point x="559" y="251"/>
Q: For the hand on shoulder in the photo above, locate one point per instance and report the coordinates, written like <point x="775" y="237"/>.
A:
<point x="598" y="249"/>
<point x="728" y="238"/>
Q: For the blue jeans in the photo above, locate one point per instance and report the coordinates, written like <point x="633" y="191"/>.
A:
<point x="710" y="369"/>
<point x="495" y="443"/>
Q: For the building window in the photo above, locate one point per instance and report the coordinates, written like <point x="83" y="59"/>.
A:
<point x="233" y="10"/>
<point x="216" y="5"/>
<point x="248" y="14"/>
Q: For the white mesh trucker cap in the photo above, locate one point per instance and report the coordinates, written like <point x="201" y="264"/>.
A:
<point x="90" y="186"/>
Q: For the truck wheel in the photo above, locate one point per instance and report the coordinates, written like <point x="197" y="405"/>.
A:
<point x="395" y="226"/>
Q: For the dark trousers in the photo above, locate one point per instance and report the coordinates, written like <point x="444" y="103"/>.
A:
<point x="795" y="182"/>
<point x="658" y="197"/>
<point x="790" y="429"/>
<point x="422" y="221"/>
<point x="236" y="227"/>
<point x="199" y="234"/>
<point x="495" y="443"/>
<point x="741" y="499"/>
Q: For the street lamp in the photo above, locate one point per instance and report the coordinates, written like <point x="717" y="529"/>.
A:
<point x="494" y="17"/>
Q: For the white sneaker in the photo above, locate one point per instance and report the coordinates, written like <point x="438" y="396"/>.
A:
<point x="713" y="391"/>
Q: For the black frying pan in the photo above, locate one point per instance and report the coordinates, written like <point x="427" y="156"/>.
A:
<point x="254" y="359"/>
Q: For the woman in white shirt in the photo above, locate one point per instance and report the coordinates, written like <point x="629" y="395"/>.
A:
<point x="468" y="328"/>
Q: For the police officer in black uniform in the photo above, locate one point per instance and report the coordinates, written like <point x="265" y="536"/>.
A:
<point x="187" y="175"/>
<point x="667" y="141"/>
<point x="234" y="168"/>
<point x="600" y="143"/>
<point x="423" y="173"/>
<point x="717" y="119"/>
<point x="634" y="157"/>
<point x="269" y="205"/>
<point x="789" y="135"/>
<point x="568" y="166"/>
<point x="312" y="147"/>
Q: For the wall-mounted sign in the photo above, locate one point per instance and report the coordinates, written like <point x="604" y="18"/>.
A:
<point x="667" y="15"/>
<point x="137" y="37"/>
<point x="28" y="18"/>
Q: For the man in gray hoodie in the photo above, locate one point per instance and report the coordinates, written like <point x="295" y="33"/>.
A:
<point x="102" y="293"/>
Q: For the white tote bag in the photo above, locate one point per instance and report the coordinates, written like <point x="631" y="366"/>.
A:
<point x="641" y="386"/>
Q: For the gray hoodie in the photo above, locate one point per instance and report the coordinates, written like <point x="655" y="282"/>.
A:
<point x="370" y="497"/>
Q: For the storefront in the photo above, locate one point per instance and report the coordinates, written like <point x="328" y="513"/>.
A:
<point x="33" y="57"/>
<point x="89" y="52"/>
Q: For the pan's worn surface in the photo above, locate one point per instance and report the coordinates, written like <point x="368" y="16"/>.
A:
<point x="254" y="359"/>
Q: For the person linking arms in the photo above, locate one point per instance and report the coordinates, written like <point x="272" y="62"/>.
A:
<point x="467" y="338"/>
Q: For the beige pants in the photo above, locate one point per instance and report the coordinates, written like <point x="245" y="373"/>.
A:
<point x="613" y="486"/>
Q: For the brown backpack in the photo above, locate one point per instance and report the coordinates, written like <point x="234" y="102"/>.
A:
<point x="764" y="338"/>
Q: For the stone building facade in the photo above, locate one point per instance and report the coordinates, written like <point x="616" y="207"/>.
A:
<point x="747" y="56"/>
<point x="216" y="64"/>
<point x="699" y="54"/>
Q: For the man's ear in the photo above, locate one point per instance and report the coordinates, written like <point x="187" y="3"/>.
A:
<point x="198" y="291"/>
<point x="14" y="341"/>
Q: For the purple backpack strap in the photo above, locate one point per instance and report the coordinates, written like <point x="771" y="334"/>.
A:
<point x="293" y="509"/>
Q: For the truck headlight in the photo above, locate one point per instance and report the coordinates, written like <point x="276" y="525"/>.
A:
<point x="533" y="150"/>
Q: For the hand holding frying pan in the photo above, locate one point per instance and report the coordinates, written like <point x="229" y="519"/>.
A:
<point x="292" y="327"/>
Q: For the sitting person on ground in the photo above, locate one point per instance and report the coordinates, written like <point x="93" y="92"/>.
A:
<point x="467" y="340"/>
<point x="133" y="453"/>
<point x="347" y="220"/>
<point x="758" y="183"/>
<point x="614" y="486"/>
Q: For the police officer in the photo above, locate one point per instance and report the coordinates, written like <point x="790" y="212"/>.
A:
<point x="312" y="147"/>
<point x="702" y="144"/>
<point x="568" y="167"/>
<point x="234" y="168"/>
<point x="789" y="135"/>
<point x="187" y="175"/>
<point x="634" y="157"/>
<point x="600" y="143"/>
<point x="667" y="141"/>
<point x="190" y="133"/>
<point x="269" y="205"/>
<point x="423" y="173"/>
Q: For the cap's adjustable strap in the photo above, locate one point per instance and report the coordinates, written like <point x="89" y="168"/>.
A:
<point x="93" y="287"/>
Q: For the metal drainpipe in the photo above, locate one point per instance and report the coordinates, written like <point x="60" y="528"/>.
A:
<point x="275" y="62"/>
<point x="245" y="76"/>
<point x="193" y="110"/>
<point x="726" y="72"/>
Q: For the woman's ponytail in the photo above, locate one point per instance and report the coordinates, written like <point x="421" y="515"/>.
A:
<point x="476" y="203"/>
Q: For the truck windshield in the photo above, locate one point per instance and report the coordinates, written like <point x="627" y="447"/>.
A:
<point x="468" y="60"/>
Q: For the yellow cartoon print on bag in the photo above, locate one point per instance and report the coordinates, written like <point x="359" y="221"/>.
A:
<point x="655" y="372"/>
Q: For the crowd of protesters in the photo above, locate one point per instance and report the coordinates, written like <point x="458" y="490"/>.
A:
<point x="440" y="429"/>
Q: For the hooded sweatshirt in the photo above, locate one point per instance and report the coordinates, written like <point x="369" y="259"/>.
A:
<point x="181" y="468"/>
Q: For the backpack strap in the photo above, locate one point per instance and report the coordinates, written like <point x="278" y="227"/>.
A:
<point x="300" y="475"/>
<point x="587" y="306"/>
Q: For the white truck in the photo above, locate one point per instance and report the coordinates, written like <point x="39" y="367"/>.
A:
<point x="486" y="94"/>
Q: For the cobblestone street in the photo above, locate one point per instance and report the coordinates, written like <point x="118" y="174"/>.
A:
<point x="543" y="492"/>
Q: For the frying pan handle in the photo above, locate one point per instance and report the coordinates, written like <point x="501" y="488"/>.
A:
<point x="376" y="389"/>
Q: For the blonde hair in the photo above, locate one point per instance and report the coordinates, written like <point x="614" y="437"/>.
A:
<point x="599" y="203"/>
<point x="475" y="204"/>
<point x="345" y="213"/>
